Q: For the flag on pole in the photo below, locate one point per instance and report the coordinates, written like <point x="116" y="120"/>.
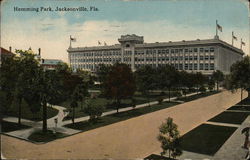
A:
<point x="99" y="43"/>
<point x="243" y="43"/>
<point x="234" y="37"/>
<point x="73" y="39"/>
<point x="219" y="27"/>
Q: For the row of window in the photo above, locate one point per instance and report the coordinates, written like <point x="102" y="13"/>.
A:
<point x="166" y="51"/>
<point x="91" y="54"/>
<point x="174" y="58"/>
<point x="141" y="52"/>
<point x="194" y="66"/>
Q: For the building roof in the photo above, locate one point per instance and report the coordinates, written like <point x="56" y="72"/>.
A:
<point x="5" y="52"/>
<point x="183" y="43"/>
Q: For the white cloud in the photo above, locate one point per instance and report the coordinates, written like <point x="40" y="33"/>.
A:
<point x="52" y="35"/>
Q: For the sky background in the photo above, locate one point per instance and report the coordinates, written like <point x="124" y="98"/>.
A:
<point x="156" y="20"/>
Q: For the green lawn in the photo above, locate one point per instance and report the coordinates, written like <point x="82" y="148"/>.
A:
<point x="9" y="126"/>
<point x="206" y="139"/>
<point x="197" y="96"/>
<point x="27" y="114"/>
<point x="230" y="117"/>
<point x="245" y="101"/>
<point x="241" y="108"/>
<point x="110" y="119"/>
<point x="39" y="136"/>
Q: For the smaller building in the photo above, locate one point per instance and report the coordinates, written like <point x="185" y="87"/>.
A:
<point x="5" y="54"/>
<point x="50" y="64"/>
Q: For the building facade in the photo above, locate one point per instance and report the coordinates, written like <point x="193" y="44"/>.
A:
<point x="203" y="56"/>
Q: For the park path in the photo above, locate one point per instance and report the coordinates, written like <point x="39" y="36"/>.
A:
<point x="24" y="133"/>
<point x="132" y="138"/>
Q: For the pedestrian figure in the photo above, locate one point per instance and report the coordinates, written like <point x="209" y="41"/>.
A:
<point x="246" y="142"/>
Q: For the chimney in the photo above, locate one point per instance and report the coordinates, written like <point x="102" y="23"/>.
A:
<point x="10" y="48"/>
<point x="39" y="51"/>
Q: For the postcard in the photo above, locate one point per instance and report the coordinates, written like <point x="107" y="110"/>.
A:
<point x="125" y="79"/>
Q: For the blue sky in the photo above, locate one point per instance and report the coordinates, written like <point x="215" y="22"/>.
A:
<point x="156" y="20"/>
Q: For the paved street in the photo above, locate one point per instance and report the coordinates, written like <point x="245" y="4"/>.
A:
<point x="133" y="138"/>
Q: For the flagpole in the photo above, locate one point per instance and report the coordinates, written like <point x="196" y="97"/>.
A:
<point x="241" y="43"/>
<point x="70" y="41"/>
<point x="232" y="38"/>
<point x="216" y="28"/>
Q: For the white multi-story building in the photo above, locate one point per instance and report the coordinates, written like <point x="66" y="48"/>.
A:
<point x="198" y="55"/>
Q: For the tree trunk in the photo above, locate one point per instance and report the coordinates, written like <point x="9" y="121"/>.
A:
<point x="73" y="115"/>
<point x="44" y="116"/>
<point x="217" y="85"/>
<point x="169" y="94"/>
<point x="19" y="110"/>
<point x="148" y="99"/>
<point x="241" y="94"/>
<point x="117" y="105"/>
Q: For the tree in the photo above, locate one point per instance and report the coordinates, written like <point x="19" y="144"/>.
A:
<point x="170" y="139"/>
<point x="102" y="74"/>
<point x="167" y="78"/>
<point x="240" y="75"/>
<point x="199" y="80"/>
<point x="146" y="79"/>
<point x="218" y="77"/>
<point x="8" y="74"/>
<point x="120" y="83"/>
<point x="93" y="110"/>
<point x="82" y="92"/>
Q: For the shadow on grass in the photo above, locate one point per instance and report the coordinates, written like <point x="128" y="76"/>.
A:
<point x="240" y="108"/>
<point x="157" y="157"/>
<point x="10" y="126"/>
<point x="206" y="139"/>
<point x="245" y="101"/>
<point x="40" y="136"/>
<point x="197" y="96"/>
<point x="230" y="117"/>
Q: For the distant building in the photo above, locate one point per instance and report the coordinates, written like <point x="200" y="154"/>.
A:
<point x="198" y="55"/>
<point x="50" y="64"/>
<point x="5" y="54"/>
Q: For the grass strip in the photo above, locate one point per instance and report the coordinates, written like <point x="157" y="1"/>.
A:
<point x="206" y="139"/>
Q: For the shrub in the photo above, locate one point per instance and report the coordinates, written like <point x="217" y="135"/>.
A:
<point x="94" y="111"/>
<point x="160" y="100"/>
<point x="202" y="89"/>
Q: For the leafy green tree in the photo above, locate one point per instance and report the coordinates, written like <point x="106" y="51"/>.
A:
<point x="102" y="74"/>
<point x="240" y="75"/>
<point x="186" y="81"/>
<point x="120" y="83"/>
<point x="8" y="74"/>
<point x="218" y="77"/>
<point x="167" y="78"/>
<point x="87" y="77"/>
<point x="82" y="92"/>
<point x="199" y="80"/>
<point x="170" y="139"/>
<point x="146" y="80"/>
<point x="93" y="110"/>
<point x="73" y="105"/>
